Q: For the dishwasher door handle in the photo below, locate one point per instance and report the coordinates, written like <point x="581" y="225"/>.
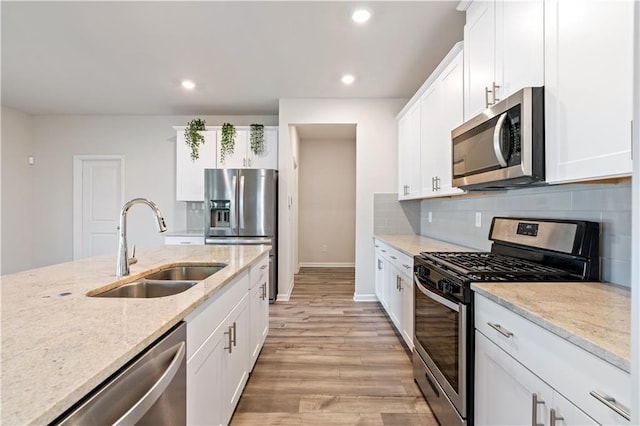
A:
<point x="140" y="408"/>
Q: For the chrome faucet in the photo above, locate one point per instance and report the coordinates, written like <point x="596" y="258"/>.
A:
<point x="123" y="261"/>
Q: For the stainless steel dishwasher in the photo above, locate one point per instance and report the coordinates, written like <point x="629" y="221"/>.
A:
<point x="150" y="390"/>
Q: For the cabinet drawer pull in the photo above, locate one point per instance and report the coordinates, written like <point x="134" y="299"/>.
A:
<point x="611" y="403"/>
<point x="406" y="266"/>
<point x="263" y="267"/>
<point x="394" y="258"/>
<point x="383" y="250"/>
<point x="500" y="329"/>
<point x="534" y="409"/>
<point x="554" y="417"/>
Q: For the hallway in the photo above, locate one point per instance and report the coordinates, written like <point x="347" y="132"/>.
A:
<point x="331" y="361"/>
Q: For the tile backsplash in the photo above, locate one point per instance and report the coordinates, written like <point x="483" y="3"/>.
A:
<point x="393" y="217"/>
<point x="195" y="216"/>
<point x="454" y="218"/>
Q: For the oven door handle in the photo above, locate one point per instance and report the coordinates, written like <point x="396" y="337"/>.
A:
<point x="435" y="297"/>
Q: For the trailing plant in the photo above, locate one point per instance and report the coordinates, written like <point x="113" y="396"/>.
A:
<point x="257" y="138"/>
<point x="227" y="141"/>
<point x="193" y="137"/>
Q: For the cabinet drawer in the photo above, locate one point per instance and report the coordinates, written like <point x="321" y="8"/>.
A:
<point x="397" y="258"/>
<point x="202" y="322"/>
<point x="569" y="369"/>
<point x="259" y="272"/>
<point x="176" y="240"/>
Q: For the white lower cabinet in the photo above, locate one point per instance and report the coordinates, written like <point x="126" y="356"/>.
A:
<point x="236" y="363"/>
<point x="394" y="288"/>
<point x="517" y="360"/>
<point x="259" y="309"/>
<point x="221" y="345"/>
<point x="506" y="393"/>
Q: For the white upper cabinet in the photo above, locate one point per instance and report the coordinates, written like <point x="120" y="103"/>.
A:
<point x="588" y="89"/>
<point x="409" y="154"/>
<point x="441" y="111"/>
<point x="244" y="158"/>
<point x="190" y="173"/>
<point x="504" y="51"/>
<point x="424" y="131"/>
<point x="268" y="159"/>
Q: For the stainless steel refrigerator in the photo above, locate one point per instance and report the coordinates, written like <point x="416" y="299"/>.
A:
<point x="241" y="207"/>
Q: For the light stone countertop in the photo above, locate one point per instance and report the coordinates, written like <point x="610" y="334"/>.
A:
<point x="594" y="316"/>
<point x="412" y="245"/>
<point x="56" y="348"/>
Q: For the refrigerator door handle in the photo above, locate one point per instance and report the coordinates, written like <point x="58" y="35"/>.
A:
<point x="234" y="182"/>
<point x="241" y="202"/>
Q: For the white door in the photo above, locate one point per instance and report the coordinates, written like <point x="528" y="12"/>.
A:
<point x="97" y="198"/>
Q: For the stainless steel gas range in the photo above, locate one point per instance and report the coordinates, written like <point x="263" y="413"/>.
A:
<point x="523" y="250"/>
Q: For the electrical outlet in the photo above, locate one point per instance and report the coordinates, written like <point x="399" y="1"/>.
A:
<point x="478" y="219"/>
<point x="430" y="217"/>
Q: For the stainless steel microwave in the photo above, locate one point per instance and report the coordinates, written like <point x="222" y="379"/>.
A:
<point x="503" y="147"/>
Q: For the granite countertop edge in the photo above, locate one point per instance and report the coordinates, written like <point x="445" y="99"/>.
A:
<point x="608" y="356"/>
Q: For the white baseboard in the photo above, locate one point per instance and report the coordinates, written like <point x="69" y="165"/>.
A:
<point x="284" y="297"/>
<point x="327" y="265"/>
<point x="365" y="298"/>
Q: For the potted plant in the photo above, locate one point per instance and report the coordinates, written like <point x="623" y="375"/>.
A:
<point x="227" y="141"/>
<point x="193" y="137"/>
<point x="257" y="138"/>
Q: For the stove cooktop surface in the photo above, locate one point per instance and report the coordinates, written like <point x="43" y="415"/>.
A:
<point x="487" y="266"/>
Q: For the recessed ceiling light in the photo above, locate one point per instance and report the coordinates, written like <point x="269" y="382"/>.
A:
<point x="361" y="16"/>
<point x="188" y="84"/>
<point x="348" y="79"/>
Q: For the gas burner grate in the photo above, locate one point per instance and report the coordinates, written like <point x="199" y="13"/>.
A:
<point x="481" y="266"/>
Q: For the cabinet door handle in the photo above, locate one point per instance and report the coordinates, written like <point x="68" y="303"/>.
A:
<point x="554" y="417"/>
<point x="611" y="402"/>
<point x="500" y="329"/>
<point x="495" y="92"/>
<point x="437" y="183"/>
<point x="265" y="290"/>
<point x="233" y="327"/>
<point x="486" y="97"/>
<point x="230" y="347"/>
<point x="379" y="265"/>
<point x="534" y="409"/>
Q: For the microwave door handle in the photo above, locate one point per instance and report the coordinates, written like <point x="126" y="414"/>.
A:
<point x="496" y="140"/>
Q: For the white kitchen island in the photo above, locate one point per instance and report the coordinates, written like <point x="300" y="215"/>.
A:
<point x="58" y="343"/>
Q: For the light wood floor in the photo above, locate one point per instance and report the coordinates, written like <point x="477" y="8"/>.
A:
<point x="331" y="361"/>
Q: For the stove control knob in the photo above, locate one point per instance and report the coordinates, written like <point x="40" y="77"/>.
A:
<point x="422" y="271"/>
<point x="445" y="286"/>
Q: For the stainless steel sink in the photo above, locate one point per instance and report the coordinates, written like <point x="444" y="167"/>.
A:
<point x="148" y="288"/>
<point x="165" y="282"/>
<point x="186" y="273"/>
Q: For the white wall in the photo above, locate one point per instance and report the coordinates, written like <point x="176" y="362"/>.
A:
<point x="148" y="144"/>
<point x="327" y="207"/>
<point x="17" y="192"/>
<point x="635" y="233"/>
<point x="376" y="171"/>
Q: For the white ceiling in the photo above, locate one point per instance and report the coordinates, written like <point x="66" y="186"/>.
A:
<point x="88" y="57"/>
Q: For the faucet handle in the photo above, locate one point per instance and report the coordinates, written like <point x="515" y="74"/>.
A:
<point x="132" y="260"/>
